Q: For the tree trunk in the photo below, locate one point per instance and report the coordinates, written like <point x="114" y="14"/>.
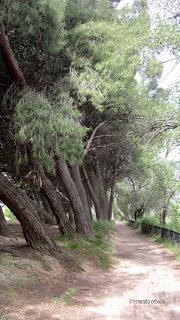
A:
<point x="102" y="194"/>
<point x="18" y="202"/>
<point x="164" y="211"/>
<point x="89" y="200"/>
<point x="111" y="200"/>
<point x="71" y="218"/>
<point x="138" y="213"/>
<point x="54" y="199"/>
<point x="9" y="59"/>
<point x="82" y="224"/>
<point x="46" y="211"/>
<point x="101" y="197"/>
<point x="4" y="231"/>
<point x="92" y="194"/>
<point x="81" y="190"/>
<point x="163" y="215"/>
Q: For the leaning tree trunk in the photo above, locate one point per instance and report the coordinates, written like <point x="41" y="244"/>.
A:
<point x="82" y="224"/>
<point x="102" y="193"/>
<point x="99" y="191"/>
<point x="75" y="172"/>
<point x="44" y="215"/>
<point x="92" y="193"/>
<point x="9" y="58"/>
<point x="18" y="202"/>
<point x="4" y="230"/>
<point x="54" y="199"/>
<point x="45" y="211"/>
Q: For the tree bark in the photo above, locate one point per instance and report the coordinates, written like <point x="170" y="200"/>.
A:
<point x="163" y="215"/>
<point x="138" y="213"/>
<point x="111" y="200"/>
<point x="9" y="59"/>
<point x="54" y="199"/>
<point x="18" y="202"/>
<point x="113" y="184"/>
<point x="99" y="191"/>
<point x="75" y="172"/>
<point x="46" y="211"/>
<point x="82" y="224"/>
<point x="4" y="231"/>
<point x="164" y="212"/>
<point x="92" y="194"/>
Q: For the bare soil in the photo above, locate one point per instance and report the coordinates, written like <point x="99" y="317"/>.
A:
<point x="142" y="284"/>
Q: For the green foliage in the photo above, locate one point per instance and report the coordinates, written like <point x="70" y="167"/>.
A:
<point x="84" y="56"/>
<point x="32" y="18"/>
<point x="105" y="56"/>
<point x="80" y="12"/>
<point x="166" y="36"/>
<point x="153" y="183"/>
<point x="103" y="228"/>
<point x="51" y="129"/>
<point x="96" y="246"/>
<point x="172" y="221"/>
<point x="150" y="218"/>
<point x="8" y="214"/>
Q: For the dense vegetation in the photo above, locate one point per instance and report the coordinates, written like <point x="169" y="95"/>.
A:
<point x="83" y="120"/>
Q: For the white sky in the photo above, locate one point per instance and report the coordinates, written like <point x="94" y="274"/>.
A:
<point x="171" y="71"/>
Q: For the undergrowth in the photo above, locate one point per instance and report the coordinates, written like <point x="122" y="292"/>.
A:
<point x="95" y="246"/>
<point x="169" y="244"/>
<point x="172" y="221"/>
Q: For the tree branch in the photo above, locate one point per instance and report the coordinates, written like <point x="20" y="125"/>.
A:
<point x="91" y="139"/>
<point x="9" y="58"/>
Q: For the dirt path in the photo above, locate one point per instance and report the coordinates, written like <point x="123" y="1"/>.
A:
<point x="142" y="270"/>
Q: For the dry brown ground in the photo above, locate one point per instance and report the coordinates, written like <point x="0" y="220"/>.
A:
<point x="31" y="284"/>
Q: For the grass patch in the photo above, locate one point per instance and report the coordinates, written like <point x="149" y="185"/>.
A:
<point x="169" y="244"/>
<point x="95" y="246"/>
<point x="9" y="215"/>
<point x="64" y="298"/>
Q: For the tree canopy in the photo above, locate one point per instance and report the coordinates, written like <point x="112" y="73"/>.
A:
<point x="81" y="107"/>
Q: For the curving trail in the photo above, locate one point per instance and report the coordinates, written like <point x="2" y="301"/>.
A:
<point x="142" y="270"/>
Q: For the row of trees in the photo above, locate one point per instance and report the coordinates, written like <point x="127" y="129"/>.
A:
<point x="154" y="189"/>
<point x="73" y="115"/>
